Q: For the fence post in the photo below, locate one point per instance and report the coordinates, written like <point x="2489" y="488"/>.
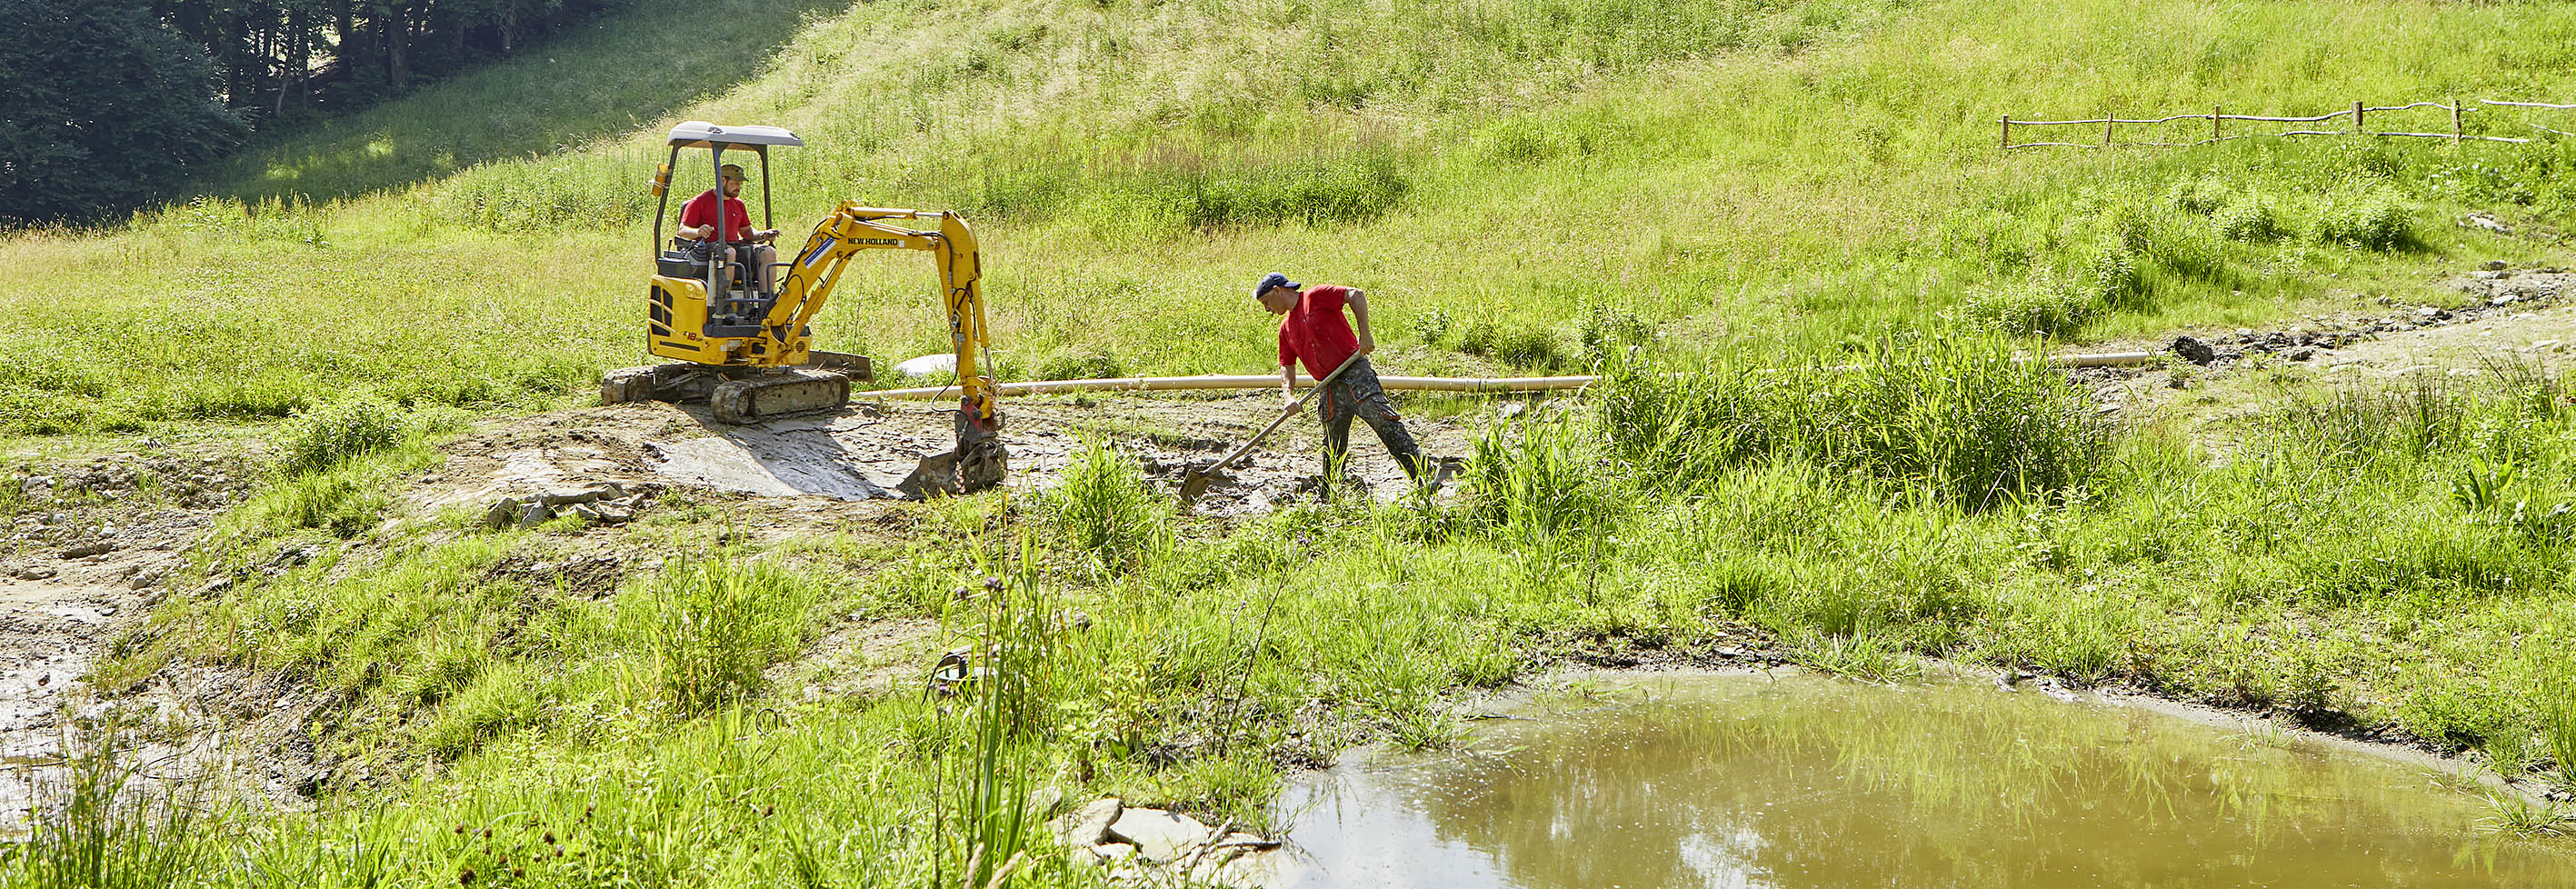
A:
<point x="2455" y="120"/>
<point x="2356" y="117"/>
<point x="2008" y="131"/>
<point x="2213" y="124"/>
<point x="2107" y="118"/>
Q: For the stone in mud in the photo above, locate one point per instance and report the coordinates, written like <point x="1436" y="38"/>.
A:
<point x="86" y="550"/>
<point x="2191" y="349"/>
<point x="1159" y="836"/>
<point x="1089" y="825"/>
<point x="611" y="514"/>
<point x="595" y="491"/>
<point x="35" y="572"/>
<point x="534" y="514"/>
<point x="2302" y="353"/>
<point x="503" y="513"/>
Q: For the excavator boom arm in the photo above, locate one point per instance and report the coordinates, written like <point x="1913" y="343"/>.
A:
<point x="849" y="229"/>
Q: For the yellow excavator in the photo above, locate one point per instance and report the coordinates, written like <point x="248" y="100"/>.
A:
<point x="747" y="351"/>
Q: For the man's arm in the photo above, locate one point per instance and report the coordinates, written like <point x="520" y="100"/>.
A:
<point x="1358" y="301"/>
<point x="1287" y="382"/>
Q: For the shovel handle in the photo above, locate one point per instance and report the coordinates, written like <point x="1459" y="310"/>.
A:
<point x="1283" y="416"/>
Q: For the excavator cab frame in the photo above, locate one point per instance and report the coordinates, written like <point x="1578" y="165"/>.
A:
<point x="727" y="291"/>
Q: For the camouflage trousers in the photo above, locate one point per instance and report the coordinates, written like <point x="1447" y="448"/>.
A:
<point x="1356" y="394"/>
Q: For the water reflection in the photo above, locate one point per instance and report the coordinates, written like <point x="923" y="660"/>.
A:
<point x="1800" y="782"/>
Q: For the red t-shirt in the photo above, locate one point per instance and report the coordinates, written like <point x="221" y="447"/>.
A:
<point x="701" y="210"/>
<point x="1315" y="332"/>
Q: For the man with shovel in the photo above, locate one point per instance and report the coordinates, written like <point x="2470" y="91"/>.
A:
<point x="1314" y="333"/>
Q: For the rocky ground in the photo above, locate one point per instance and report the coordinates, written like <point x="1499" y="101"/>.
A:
<point x="93" y="547"/>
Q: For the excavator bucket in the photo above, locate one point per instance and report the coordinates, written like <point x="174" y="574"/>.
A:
<point x="978" y="462"/>
<point x="966" y="470"/>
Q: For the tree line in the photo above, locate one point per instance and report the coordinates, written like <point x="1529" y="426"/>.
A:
<point x="109" y="100"/>
<point x="280" y="58"/>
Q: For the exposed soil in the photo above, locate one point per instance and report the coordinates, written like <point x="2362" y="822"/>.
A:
<point x="88" y="558"/>
<point x="2503" y="315"/>
<point x="859" y="454"/>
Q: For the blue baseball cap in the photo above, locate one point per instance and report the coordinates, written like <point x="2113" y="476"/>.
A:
<point x="1274" y="279"/>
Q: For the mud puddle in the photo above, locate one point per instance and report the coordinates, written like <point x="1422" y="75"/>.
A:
<point x="1802" y="781"/>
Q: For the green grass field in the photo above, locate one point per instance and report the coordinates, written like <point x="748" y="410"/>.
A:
<point x="1523" y="185"/>
<point x="1743" y="176"/>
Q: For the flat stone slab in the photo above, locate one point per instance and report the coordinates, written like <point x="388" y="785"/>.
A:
<point x="1159" y="836"/>
<point x="1089" y="825"/>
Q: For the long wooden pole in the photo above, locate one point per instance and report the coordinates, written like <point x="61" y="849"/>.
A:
<point x="1418" y="384"/>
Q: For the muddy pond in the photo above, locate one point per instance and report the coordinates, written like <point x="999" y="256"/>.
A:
<point x="1794" y="780"/>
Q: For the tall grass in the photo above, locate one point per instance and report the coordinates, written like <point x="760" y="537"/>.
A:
<point x="985" y="816"/>
<point x="2555" y="711"/>
<point x="1108" y="511"/>
<point x="716" y="625"/>
<point x="1964" y="420"/>
<point x="109" y="824"/>
<point x="1538" y="480"/>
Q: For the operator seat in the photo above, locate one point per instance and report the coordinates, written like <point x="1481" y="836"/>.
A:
<point x="678" y="262"/>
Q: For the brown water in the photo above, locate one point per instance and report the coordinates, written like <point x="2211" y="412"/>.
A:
<point x="1801" y="781"/>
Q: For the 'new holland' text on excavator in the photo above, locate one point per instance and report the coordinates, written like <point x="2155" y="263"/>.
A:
<point x="748" y="352"/>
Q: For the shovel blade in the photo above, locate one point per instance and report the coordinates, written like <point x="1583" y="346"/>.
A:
<point x="935" y="474"/>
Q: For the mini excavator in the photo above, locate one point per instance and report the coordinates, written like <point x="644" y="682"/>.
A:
<point x="748" y="352"/>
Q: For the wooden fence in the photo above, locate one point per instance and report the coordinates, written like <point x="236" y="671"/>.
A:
<point x="2358" y="114"/>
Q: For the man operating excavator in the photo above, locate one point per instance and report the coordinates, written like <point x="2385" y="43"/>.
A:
<point x="1313" y="332"/>
<point x="732" y="232"/>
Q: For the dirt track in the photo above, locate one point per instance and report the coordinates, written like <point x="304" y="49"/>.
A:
<point x="860" y="453"/>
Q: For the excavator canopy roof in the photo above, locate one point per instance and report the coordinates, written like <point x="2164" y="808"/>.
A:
<point x="701" y="134"/>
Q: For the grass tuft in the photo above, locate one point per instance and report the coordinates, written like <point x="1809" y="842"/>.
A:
<point x="105" y="828"/>
<point x="716" y="624"/>
<point x="1108" y="512"/>
<point x="333" y="434"/>
<point x="1960" y="420"/>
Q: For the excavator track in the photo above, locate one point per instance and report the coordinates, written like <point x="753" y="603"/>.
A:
<point x="785" y="393"/>
<point x="742" y="395"/>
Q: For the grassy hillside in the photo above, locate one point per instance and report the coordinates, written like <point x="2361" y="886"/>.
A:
<point x="1741" y="175"/>
<point x="1732" y="187"/>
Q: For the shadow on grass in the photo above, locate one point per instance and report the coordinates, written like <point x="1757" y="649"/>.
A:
<point x="622" y="72"/>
